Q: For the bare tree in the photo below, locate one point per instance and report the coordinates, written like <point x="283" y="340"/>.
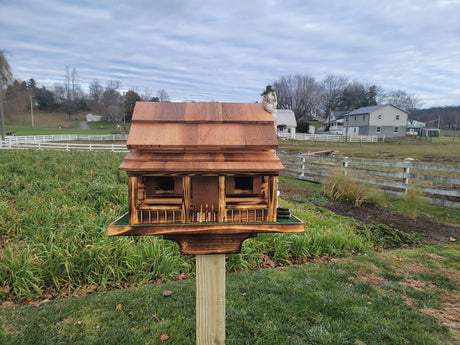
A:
<point x="96" y="90"/>
<point x="332" y="88"/>
<point x="111" y="100"/>
<point x="5" y="78"/>
<point x="300" y="93"/>
<point x="72" y="91"/>
<point x="163" y="95"/>
<point x="403" y="100"/>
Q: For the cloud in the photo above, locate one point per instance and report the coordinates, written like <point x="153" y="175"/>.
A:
<point x="208" y="50"/>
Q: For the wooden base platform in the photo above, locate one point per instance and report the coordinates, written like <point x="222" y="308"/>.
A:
<point x="205" y="238"/>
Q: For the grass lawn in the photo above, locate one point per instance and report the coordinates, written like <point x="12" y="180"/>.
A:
<point x="440" y="150"/>
<point x="47" y="123"/>
<point x="398" y="297"/>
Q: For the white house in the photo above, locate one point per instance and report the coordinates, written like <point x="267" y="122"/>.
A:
<point x="335" y="122"/>
<point x="286" y="124"/>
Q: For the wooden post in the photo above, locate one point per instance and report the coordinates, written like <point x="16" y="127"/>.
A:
<point x="221" y="212"/>
<point x="186" y="199"/>
<point x="303" y="167"/>
<point x="210" y="299"/>
<point x="345" y="165"/>
<point x="272" y="194"/>
<point x="406" y="177"/>
<point x="133" y="188"/>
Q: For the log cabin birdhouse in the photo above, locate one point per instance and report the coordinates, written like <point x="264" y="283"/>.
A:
<point x="203" y="175"/>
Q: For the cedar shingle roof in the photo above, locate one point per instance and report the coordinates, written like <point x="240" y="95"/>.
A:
<point x="201" y="137"/>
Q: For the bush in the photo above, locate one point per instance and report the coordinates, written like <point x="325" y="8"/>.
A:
<point x="343" y="188"/>
<point x="410" y="204"/>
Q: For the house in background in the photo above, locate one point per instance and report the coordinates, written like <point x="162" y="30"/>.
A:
<point x="334" y="124"/>
<point x="430" y="132"/>
<point x="384" y="120"/>
<point x="286" y="124"/>
<point x="414" y="127"/>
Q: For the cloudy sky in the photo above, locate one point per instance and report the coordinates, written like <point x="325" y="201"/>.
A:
<point x="228" y="51"/>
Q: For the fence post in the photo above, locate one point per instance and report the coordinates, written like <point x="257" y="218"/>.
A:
<point x="345" y="165"/>
<point x="406" y="177"/>
<point x="303" y="167"/>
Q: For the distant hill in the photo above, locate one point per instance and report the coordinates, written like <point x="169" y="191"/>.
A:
<point x="448" y="116"/>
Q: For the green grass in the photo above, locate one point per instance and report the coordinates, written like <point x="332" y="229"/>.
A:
<point x="54" y="210"/>
<point x="108" y="128"/>
<point x="49" y="123"/>
<point x="360" y="300"/>
<point x="440" y="150"/>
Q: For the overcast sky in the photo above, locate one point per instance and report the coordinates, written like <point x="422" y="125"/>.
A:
<point x="228" y="51"/>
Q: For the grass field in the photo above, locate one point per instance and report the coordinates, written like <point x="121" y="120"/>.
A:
<point x="398" y="297"/>
<point x="47" y="123"/>
<point x="54" y="210"/>
<point x="440" y="150"/>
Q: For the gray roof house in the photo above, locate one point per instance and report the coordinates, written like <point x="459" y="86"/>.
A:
<point x="334" y="122"/>
<point x="286" y="124"/>
<point x="384" y="120"/>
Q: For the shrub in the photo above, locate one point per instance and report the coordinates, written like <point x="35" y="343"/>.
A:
<point x="343" y="188"/>
<point x="410" y="204"/>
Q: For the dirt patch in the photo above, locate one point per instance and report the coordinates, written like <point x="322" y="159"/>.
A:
<point x="431" y="231"/>
<point x="369" y="277"/>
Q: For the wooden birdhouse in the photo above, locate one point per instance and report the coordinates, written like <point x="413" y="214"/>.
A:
<point x="203" y="175"/>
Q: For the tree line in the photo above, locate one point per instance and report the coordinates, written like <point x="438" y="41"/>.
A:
<point x="308" y="98"/>
<point x="106" y="100"/>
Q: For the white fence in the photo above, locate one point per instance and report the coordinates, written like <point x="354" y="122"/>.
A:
<point x="339" y="138"/>
<point x="64" y="146"/>
<point x="440" y="184"/>
<point x="32" y="139"/>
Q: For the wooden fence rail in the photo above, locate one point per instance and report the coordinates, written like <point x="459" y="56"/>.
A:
<point x="439" y="184"/>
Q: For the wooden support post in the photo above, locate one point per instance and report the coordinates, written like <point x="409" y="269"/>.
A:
<point x="187" y="183"/>
<point x="133" y="188"/>
<point x="221" y="214"/>
<point x="272" y="196"/>
<point x="210" y="299"/>
<point x="303" y="167"/>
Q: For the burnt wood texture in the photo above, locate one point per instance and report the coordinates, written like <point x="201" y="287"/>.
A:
<point x="202" y="174"/>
